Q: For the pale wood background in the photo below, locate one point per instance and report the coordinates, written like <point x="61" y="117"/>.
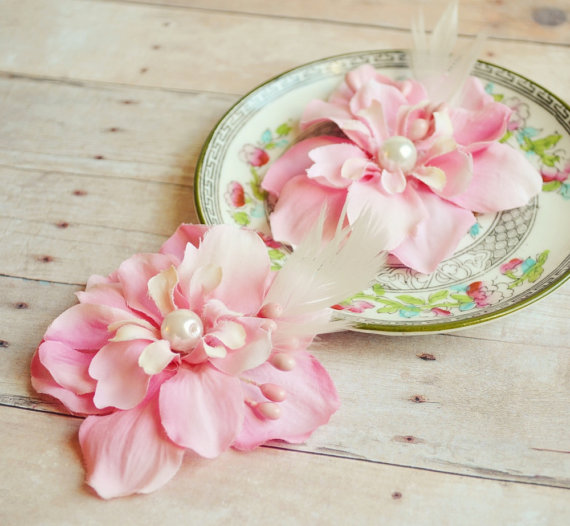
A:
<point x="104" y="106"/>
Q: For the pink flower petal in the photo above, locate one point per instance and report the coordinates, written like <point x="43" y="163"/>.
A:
<point x="373" y="116"/>
<point x="84" y="326"/>
<point x="201" y="282"/>
<point x="185" y="233"/>
<point x="186" y="273"/>
<point x="121" y="382"/>
<point x="242" y="257"/>
<point x="128" y="452"/>
<point x="355" y="169"/>
<point x="202" y="409"/>
<point x="397" y="214"/>
<point x="135" y="273"/>
<point x="43" y="382"/>
<point x="319" y="110"/>
<point x="502" y="179"/>
<point x="389" y="97"/>
<point x="295" y="161"/>
<point x="358" y="77"/>
<point x="161" y="289"/>
<point x="475" y="129"/>
<point x="437" y="236"/>
<point x="254" y="352"/>
<point x="414" y="91"/>
<point x="68" y="367"/>
<point x="473" y="96"/>
<point x="458" y="169"/>
<point x="357" y="131"/>
<point x="328" y="163"/>
<point x="109" y="294"/>
<point x="299" y="207"/>
<point x="311" y="400"/>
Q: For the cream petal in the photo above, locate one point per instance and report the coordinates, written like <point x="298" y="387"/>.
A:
<point x="215" y="351"/>
<point x="131" y="331"/>
<point x="161" y="289"/>
<point x="231" y="334"/>
<point x="394" y="182"/>
<point x="112" y="327"/>
<point x="354" y="168"/>
<point x="432" y="176"/>
<point x="155" y="357"/>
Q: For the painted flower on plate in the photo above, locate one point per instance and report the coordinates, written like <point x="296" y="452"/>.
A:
<point x="254" y="155"/>
<point x="423" y="169"/>
<point x="235" y="195"/>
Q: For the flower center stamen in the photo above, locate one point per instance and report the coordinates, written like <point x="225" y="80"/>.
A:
<point x="183" y="329"/>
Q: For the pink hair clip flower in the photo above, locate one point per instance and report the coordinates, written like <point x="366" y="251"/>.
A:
<point x="422" y="156"/>
<point x="199" y="347"/>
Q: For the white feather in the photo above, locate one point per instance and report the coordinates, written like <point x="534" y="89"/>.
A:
<point x="434" y="63"/>
<point x="321" y="273"/>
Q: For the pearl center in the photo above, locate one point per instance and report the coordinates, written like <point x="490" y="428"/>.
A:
<point x="183" y="329"/>
<point x="397" y="152"/>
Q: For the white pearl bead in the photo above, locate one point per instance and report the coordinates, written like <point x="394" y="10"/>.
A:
<point x="397" y="152"/>
<point x="183" y="329"/>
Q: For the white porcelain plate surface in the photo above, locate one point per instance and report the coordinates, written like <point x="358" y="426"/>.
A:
<point x="506" y="260"/>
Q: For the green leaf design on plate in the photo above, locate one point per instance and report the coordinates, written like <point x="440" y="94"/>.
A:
<point x="462" y="298"/>
<point x="438" y="296"/>
<point x="255" y="185"/>
<point x="283" y="129"/>
<point x="241" y="218"/>
<point x="551" y="186"/>
<point x="412" y="300"/>
<point x="275" y="254"/>
<point x="388" y="309"/>
<point x="542" y="257"/>
<point x="391" y="303"/>
<point x="378" y="289"/>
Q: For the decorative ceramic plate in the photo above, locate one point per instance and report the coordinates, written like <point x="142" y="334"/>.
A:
<point x="506" y="260"/>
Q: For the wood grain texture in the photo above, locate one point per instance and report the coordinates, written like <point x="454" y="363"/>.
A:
<point x="104" y="108"/>
<point x="105" y="130"/>
<point x="514" y="19"/>
<point x="46" y="487"/>
<point x="156" y="46"/>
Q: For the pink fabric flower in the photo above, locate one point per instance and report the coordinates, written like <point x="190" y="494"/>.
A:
<point x="199" y="347"/>
<point x="423" y="169"/>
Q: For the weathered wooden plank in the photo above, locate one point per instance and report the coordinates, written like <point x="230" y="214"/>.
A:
<point x="106" y="131"/>
<point x="158" y="45"/>
<point x="66" y="203"/>
<point x="42" y="251"/>
<point x="479" y="408"/>
<point x="45" y="486"/>
<point x="517" y="19"/>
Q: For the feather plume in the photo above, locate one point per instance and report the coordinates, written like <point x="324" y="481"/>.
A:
<point x="433" y="60"/>
<point x="321" y="273"/>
